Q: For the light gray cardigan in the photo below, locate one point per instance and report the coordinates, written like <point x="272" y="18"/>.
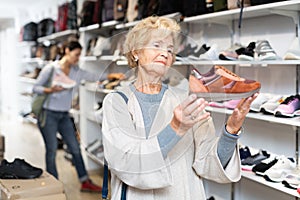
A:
<point x="139" y="163"/>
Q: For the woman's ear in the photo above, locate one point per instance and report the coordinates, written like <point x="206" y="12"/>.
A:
<point x="135" y="56"/>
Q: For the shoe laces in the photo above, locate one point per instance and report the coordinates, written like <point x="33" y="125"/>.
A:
<point x="227" y="71"/>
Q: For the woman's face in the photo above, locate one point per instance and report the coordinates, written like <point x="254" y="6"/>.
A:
<point x="157" y="55"/>
<point x="73" y="56"/>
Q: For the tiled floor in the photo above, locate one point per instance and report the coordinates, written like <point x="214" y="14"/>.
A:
<point x="23" y="140"/>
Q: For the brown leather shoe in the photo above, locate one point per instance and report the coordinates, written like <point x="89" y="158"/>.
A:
<point x="220" y="84"/>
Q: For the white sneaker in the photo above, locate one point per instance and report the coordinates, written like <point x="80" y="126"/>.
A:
<point x="260" y="100"/>
<point x="293" y="53"/>
<point x="61" y="79"/>
<point x="281" y="169"/>
<point x="270" y="106"/>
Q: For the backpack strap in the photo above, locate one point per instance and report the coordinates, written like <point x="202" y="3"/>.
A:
<point x="105" y="170"/>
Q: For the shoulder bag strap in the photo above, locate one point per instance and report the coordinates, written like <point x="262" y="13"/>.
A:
<point x="105" y="172"/>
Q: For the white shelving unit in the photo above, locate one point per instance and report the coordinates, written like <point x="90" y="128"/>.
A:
<point x="246" y="189"/>
<point x="273" y="22"/>
<point x="59" y="36"/>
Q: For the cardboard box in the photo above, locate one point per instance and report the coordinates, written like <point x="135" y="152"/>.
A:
<point x="45" y="185"/>
<point x="48" y="197"/>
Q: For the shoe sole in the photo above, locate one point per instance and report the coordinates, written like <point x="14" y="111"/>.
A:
<point x="89" y="191"/>
<point x="225" y="96"/>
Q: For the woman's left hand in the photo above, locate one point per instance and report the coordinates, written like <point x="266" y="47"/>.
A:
<point x="236" y="119"/>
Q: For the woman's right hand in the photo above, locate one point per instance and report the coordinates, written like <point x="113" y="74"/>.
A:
<point x="188" y="113"/>
<point x="54" y="88"/>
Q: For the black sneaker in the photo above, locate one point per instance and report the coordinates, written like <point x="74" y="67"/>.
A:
<point x="18" y="169"/>
<point x="260" y="168"/>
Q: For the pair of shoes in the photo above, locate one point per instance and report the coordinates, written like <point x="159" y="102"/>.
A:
<point x="270" y="106"/>
<point x="280" y="170"/>
<point x="18" y="169"/>
<point x="265" y="51"/>
<point x="61" y="79"/>
<point x="288" y="107"/>
<point x="220" y="84"/>
<point x="89" y="186"/>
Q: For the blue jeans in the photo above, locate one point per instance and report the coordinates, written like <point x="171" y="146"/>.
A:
<point x="61" y="122"/>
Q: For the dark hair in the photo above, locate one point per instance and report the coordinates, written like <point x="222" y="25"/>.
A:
<point x="71" y="45"/>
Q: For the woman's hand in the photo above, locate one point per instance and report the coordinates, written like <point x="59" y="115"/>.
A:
<point x="236" y="119"/>
<point x="52" y="89"/>
<point x="188" y="113"/>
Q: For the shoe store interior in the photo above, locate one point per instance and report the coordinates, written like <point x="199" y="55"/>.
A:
<point x="251" y="46"/>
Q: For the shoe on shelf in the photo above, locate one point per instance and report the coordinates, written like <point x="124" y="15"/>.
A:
<point x="264" y="51"/>
<point x="293" y="53"/>
<point x="220" y="84"/>
<point x="257" y="158"/>
<point x="259" y="101"/>
<point x="270" y="106"/>
<point x="18" y="169"/>
<point x="247" y="54"/>
<point x="260" y="168"/>
<point x="232" y="53"/>
<point x="61" y="79"/>
<point x="288" y="107"/>
<point x="89" y="186"/>
<point x="292" y="180"/>
<point x="211" y="54"/>
<point x="281" y="169"/>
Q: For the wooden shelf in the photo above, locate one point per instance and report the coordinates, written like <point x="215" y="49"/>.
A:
<point x="295" y="121"/>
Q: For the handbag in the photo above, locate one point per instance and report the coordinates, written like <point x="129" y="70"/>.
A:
<point x="105" y="170"/>
<point x="39" y="99"/>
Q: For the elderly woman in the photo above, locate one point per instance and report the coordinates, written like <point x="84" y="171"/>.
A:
<point x="158" y="140"/>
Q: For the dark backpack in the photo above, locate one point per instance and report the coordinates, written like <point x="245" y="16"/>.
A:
<point x="108" y="10"/>
<point x="72" y="15"/>
<point x="147" y="8"/>
<point x="193" y="8"/>
<point x="168" y="6"/>
<point x="46" y="27"/>
<point x="87" y="14"/>
<point x="29" y="32"/>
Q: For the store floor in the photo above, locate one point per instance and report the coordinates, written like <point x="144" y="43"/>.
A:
<point x="23" y="140"/>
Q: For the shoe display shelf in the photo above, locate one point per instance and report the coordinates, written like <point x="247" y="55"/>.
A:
<point x="92" y="93"/>
<point x="289" y="8"/>
<point x="90" y="128"/>
<point x="280" y="135"/>
<point x="58" y="36"/>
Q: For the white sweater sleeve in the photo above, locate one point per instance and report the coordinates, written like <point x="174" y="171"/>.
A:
<point x="137" y="161"/>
